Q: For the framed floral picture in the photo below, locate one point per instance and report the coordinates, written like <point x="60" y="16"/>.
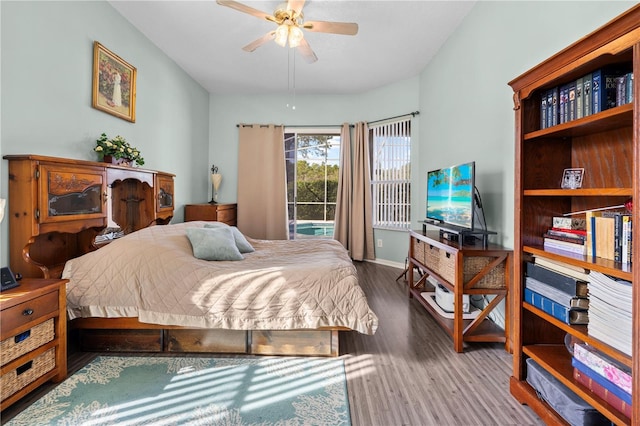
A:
<point x="114" y="84"/>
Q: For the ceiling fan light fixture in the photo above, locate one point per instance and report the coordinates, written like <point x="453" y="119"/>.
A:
<point x="295" y="36"/>
<point x="282" y="34"/>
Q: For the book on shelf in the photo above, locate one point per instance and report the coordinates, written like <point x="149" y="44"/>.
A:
<point x="555" y="95"/>
<point x="602" y="392"/>
<point x="576" y="272"/>
<point x="565" y="231"/>
<point x="596" y="92"/>
<point x="602" y="381"/>
<point x="558" y="296"/>
<point x="565" y="236"/>
<point x="569" y="222"/>
<point x="610" y="307"/>
<point x="579" y="109"/>
<point x="563" y="282"/>
<point x="586" y="104"/>
<point x="603" y="230"/>
<point x="627" y="239"/>
<point x="543" y="111"/>
<point x="553" y="243"/>
<point x="610" y="369"/>
<point x="556" y="310"/>
<point x="629" y="90"/>
<point x="571" y="101"/>
<point x="563" y="104"/>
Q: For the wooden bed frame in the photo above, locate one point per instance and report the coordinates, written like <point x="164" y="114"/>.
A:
<point x="42" y="238"/>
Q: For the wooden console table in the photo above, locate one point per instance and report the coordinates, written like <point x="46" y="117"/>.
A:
<point x="467" y="269"/>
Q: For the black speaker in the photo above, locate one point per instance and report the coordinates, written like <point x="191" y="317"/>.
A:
<point x="8" y="280"/>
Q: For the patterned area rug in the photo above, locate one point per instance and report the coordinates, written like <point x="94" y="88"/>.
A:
<point x="197" y="391"/>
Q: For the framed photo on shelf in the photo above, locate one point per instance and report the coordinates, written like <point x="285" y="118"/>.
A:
<point x="572" y="178"/>
<point x="114" y="84"/>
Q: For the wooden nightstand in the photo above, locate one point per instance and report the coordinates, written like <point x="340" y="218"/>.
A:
<point x="33" y="337"/>
<point x="220" y="212"/>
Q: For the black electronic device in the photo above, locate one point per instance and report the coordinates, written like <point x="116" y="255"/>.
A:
<point x="8" y="280"/>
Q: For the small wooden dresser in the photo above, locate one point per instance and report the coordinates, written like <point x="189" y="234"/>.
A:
<point x="219" y="212"/>
<point x="33" y="346"/>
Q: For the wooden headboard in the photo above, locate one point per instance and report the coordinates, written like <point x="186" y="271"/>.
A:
<point x="57" y="206"/>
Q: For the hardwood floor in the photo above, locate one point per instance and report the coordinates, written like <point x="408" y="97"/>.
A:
<point x="407" y="373"/>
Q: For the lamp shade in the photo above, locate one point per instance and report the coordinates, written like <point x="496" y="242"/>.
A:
<point x="282" y="34"/>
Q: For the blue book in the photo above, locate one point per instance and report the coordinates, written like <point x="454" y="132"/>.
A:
<point x="586" y="89"/>
<point x="563" y="282"/>
<point x="597" y="92"/>
<point x="555" y="95"/>
<point x="571" y="101"/>
<point x="602" y="381"/>
<point x="579" y="98"/>
<point x="543" y="111"/>
<point x="556" y="310"/>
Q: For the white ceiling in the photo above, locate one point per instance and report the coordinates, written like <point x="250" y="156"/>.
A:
<point x="395" y="41"/>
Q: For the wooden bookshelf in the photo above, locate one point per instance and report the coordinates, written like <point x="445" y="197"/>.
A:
<point x="607" y="146"/>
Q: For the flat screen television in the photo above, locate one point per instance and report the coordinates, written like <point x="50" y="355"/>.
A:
<point x="450" y="196"/>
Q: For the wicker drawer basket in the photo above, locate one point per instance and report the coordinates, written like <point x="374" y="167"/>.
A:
<point x="441" y="262"/>
<point x="444" y="264"/>
<point x="419" y="248"/>
<point x="23" y="343"/>
<point x="17" y="379"/>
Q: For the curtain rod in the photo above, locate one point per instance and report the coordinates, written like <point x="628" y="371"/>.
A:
<point x="412" y="114"/>
<point x="298" y="125"/>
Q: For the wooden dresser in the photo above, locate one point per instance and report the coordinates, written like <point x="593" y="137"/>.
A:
<point x="33" y="346"/>
<point x="57" y="206"/>
<point x="219" y="212"/>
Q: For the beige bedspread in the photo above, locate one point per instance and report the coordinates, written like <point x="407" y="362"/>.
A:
<point x="152" y="274"/>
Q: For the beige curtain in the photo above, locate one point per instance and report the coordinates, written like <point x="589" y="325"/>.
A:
<point x="262" y="182"/>
<point x="354" y="223"/>
<point x="343" y="201"/>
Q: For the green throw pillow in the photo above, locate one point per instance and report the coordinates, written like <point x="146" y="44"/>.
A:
<point x="213" y="244"/>
<point x="241" y="242"/>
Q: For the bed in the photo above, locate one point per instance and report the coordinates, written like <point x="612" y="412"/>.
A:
<point x="147" y="291"/>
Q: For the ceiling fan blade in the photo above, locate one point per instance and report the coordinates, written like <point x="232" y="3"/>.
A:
<point x="296" y="5"/>
<point x="345" y="28"/>
<point x="306" y="52"/>
<point x="246" y="9"/>
<point x="259" y="42"/>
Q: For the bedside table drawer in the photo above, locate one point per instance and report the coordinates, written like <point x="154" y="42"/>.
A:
<point x="28" y="311"/>
<point x="20" y="344"/>
<point x="15" y="380"/>
<point x="228" y="215"/>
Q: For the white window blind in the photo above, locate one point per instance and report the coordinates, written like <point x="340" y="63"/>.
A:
<point x="391" y="174"/>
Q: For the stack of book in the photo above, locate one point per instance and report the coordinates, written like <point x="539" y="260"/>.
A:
<point x="567" y="235"/>
<point x="562" y="296"/>
<point x="610" y="304"/>
<point x="605" y="377"/>
<point x="592" y="93"/>
<point x="609" y="236"/>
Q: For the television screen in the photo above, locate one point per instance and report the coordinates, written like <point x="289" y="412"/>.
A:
<point x="450" y="195"/>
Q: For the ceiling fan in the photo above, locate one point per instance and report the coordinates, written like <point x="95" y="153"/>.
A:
<point x="290" y="20"/>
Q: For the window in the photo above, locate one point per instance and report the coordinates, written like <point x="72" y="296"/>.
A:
<point x="391" y="174"/>
<point x="313" y="158"/>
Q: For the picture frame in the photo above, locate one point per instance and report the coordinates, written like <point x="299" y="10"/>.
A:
<point x="114" y="84"/>
<point x="572" y="178"/>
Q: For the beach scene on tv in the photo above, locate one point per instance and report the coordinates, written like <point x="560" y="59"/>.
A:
<point x="450" y="195"/>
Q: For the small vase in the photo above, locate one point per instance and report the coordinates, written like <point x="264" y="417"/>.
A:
<point x="117" y="161"/>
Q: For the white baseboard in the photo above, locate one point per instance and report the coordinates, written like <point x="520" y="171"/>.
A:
<point x="387" y="263"/>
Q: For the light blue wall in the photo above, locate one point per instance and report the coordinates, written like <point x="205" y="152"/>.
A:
<point x="227" y="111"/>
<point x="463" y="97"/>
<point x="47" y="61"/>
<point x="465" y="102"/>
